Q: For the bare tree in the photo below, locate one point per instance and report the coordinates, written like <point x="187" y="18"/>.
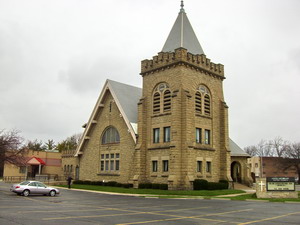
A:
<point x="11" y="149"/>
<point x="278" y="146"/>
<point x="251" y="150"/>
<point x="292" y="161"/>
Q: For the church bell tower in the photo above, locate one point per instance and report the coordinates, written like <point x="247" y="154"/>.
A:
<point x="182" y="115"/>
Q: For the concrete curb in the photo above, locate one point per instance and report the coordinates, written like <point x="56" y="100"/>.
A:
<point x="223" y="198"/>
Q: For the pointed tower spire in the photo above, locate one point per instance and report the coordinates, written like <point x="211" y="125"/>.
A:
<point x="182" y="35"/>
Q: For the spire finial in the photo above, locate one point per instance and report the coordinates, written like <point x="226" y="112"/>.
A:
<point x="182" y="5"/>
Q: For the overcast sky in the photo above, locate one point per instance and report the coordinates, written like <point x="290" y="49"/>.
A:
<point x="56" y="55"/>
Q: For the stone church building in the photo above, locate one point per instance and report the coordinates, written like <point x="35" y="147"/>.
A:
<point x="173" y="130"/>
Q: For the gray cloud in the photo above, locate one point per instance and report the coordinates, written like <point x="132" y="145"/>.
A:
<point x="56" y="55"/>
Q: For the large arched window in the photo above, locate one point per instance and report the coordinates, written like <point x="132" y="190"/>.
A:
<point x="110" y="135"/>
<point x="203" y="107"/>
<point x="161" y="98"/>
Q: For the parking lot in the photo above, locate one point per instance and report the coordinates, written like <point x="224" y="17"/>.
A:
<point x="80" y="207"/>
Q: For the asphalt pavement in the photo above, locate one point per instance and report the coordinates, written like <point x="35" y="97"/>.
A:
<point x="84" y="207"/>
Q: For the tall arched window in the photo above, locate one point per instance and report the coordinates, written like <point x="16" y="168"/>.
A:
<point x="110" y="135"/>
<point x="162" y="98"/>
<point x="203" y="107"/>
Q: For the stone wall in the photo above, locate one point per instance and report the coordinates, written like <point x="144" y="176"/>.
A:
<point x="261" y="191"/>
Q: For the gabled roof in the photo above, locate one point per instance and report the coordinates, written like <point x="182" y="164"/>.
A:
<point x="182" y="35"/>
<point x="126" y="98"/>
<point x="236" y="150"/>
<point x="35" y="161"/>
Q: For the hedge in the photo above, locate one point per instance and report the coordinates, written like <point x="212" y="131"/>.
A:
<point x="101" y="183"/>
<point x="201" y="184"/>
<point x="153" y="186"/>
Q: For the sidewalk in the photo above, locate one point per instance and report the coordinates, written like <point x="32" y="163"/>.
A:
<point x="238" y="186"/>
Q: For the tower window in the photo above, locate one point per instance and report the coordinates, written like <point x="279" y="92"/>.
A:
<point x="165" y="165"/>
<point x="199" y="166"/>
<point x="208" y="167"/>
<point x="156" y="135"/>
<point x="167" y="134"/>
<point x="167" y="101"/>
<point x="162" y="98"/>
<point x="198" y="135"/>
<point x="156" y="103"/>
<point x="154" y="166"/>
<point x="198" y="102"/>
<point x="203" y="107"/>
<point x="206" y="104"/>
<point x="207" y="137"/>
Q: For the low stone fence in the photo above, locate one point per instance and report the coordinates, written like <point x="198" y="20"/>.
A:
<point x="47" y="179"/>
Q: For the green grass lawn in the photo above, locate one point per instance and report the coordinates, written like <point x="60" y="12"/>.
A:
<point x="154" y="191"/>
<point x="253" y="197"/>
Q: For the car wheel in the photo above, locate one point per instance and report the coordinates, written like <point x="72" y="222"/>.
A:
<point x="26" y="193"/>
<point x="52" y="193"/>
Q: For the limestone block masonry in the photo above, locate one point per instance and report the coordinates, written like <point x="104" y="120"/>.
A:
<point x="183" y="73"/>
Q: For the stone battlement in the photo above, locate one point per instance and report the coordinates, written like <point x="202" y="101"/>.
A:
<point x="167" y="59"/>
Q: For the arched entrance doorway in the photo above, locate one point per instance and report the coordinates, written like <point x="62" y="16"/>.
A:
<point x="236" y="171"/>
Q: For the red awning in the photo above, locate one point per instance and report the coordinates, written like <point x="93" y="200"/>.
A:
<point x="35" y="161"/>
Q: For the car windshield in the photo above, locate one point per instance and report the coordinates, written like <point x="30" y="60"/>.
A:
<point x="24" y="183"/>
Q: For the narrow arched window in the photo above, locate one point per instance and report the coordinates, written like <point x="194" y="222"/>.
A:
<point x="110" y="135"/>
<point x="198" y="102"/>
<point x="162" y="98"/>
<point x="167" y="100"/>
<point x="156" y="103"/>
<point x="203" y="101"/>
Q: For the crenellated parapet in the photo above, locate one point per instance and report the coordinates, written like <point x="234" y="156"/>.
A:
<point x="166" y="60"/>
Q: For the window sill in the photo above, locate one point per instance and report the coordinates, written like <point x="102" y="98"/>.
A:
<point x="154" y="175"/>
<point x="161" y="114"/>
<point x="108" y="174"/>
<point x="165" y="175"/>
<point x="203" y="147"/>
<point x="160" y="146"/>
<point x="204" y="116"/>
<point x="108" y="144"/>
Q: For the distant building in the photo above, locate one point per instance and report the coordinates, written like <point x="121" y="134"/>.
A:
<point x="173" y="130"/>
<point x="36" y="165"/>
<point x="270" y="167"/>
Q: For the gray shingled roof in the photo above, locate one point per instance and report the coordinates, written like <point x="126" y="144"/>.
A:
<point x="183" y="35"/>
<point x="236" y="150"/>
<point x="128" y="97"/>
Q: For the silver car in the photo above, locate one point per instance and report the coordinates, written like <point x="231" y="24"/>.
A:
<point x="33" y="187"/>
